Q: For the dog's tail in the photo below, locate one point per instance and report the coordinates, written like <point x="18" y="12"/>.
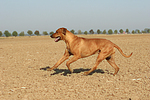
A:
<point x="119" y="49"/>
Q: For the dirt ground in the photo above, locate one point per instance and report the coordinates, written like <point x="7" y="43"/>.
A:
<point x="21" y="78"/>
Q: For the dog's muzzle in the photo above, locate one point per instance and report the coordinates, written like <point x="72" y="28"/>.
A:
<point x="57" y="39"/>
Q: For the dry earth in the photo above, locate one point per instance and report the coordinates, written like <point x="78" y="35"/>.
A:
<point x="21" y="78"/>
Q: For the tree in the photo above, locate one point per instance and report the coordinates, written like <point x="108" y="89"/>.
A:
<point x="138" y="31"/>
<point x="79" y="32"/>
<point x="121" y="30"/>
<point x="15" y="33"/>
<point x="143" y="32"/>
<point x="1" y="33"/>
<point x="45" y="33"/>
<point x="30" y="32"/>
<point x="127" y="30"/>
<point x="91" y="31"/>
<point x="115" y="31"/>
<point x="21" y="33"/>
<point x="7" y="34"/>
<point x="85" y="32"/>
<point x="133" y="32"/>
<point x="110" y="31"/>
<point x="51" y="33"/>
<point x="104" y="32"/>
<point x="37" y="32"/>
<point x="98" y="31"/>
<point x="72" y="31"/>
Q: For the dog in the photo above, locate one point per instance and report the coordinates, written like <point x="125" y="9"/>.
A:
<point x="81" y="47"/>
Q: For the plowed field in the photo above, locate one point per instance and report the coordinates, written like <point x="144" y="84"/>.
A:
<point x="21" y="78"/>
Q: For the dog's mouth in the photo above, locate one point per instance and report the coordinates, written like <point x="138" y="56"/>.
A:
<point x="57" y="39"/>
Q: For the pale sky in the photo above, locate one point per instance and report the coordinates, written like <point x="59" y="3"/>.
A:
<point x="49" y="15"/>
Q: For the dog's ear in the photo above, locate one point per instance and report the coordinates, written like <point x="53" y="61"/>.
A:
<point x="64" y="30"/>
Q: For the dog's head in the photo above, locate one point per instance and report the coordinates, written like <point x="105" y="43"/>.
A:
<point x="59" y="34"/>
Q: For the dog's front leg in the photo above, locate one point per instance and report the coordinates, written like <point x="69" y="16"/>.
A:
<point x="73" y="59"/>
<point x="61" y="60"/>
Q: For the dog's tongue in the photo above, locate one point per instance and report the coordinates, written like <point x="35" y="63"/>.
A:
<point x="57" y="39"/>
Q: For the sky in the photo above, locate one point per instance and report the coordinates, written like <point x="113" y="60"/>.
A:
<point x="49" y="15"/>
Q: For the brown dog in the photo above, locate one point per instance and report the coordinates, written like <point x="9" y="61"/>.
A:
<point x="81" y="47"/>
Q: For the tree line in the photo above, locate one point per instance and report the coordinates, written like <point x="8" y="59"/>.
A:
<point x="110" y="31"/>
<point x="30" y="33"/>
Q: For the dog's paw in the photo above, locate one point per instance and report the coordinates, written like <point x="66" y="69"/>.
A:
<point x="85" y="73"/>
<point x="48" y="69"/>
<point x="71" y="71"/>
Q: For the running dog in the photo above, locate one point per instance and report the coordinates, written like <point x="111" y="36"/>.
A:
<point x="82" y="47"/>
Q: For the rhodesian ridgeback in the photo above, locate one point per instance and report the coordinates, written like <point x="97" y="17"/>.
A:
<point x="83" y="47"/>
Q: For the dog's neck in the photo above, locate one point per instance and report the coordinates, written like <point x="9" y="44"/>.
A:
<point x="70" y="37"/>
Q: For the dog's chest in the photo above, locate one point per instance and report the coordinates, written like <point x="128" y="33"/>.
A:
<point x="70" y="52"/>
<point x="68" y="48"/>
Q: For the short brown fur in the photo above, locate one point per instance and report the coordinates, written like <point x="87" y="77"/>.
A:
<point x="82" y="47"/>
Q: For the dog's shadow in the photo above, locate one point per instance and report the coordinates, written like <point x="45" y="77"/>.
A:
<point x="65" y="72"/>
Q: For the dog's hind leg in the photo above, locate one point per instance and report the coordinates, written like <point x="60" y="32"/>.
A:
<point x="100" y="58"/>
<point x="111" y="61"/>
